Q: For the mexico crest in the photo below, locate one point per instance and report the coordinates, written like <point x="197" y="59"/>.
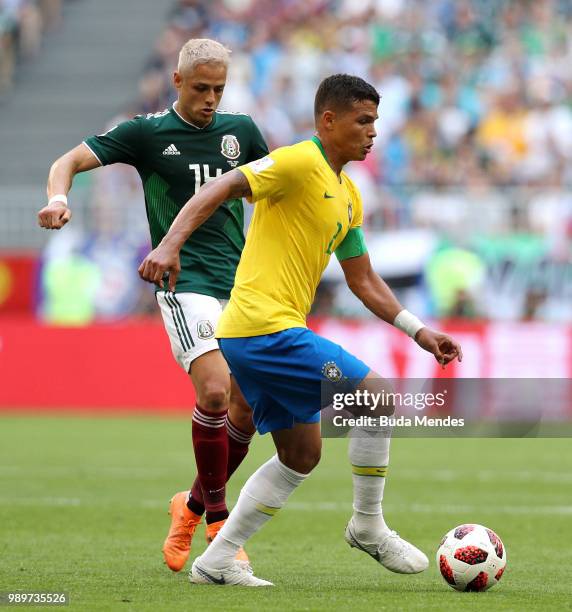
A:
<point x="205" y="330"/>
<point x="331" y="371"/>
<point x="230" y="146"/>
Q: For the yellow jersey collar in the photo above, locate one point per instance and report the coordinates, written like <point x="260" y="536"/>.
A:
<point x="320" y="146"/>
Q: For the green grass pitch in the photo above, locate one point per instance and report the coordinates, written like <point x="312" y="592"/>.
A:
<point x="83" y="509"/>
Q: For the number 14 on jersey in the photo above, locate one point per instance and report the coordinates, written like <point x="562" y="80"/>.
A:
<point x="202" y="174"/>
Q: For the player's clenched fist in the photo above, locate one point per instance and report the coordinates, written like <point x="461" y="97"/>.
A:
<point x="54" y="215"/>
<point x="161" y="261"/>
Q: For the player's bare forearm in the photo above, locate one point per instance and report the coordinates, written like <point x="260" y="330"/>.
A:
<point x="56" y="213"/>
<point x="79" y="159"/>
<point x="373" y="291"/>
<point x="370" y="288"/>
<point x="202" y="205"/>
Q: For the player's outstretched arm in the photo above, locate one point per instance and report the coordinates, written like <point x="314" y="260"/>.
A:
<point x="373" y="291"/>
<point x="56" y="213"/>
<point x="164" y="259"/>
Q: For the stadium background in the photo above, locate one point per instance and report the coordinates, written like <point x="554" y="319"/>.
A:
<point x="467" y="193"/>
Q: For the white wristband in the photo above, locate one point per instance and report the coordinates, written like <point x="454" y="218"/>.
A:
<point x="408" y="323"/>
<point x="60" y="197"/>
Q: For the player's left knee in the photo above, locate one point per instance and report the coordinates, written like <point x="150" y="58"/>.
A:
<point x="379" y="387"/>
<point x="302" y="460"/>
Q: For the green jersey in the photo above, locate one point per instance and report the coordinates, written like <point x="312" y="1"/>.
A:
<point x="174" y="158"/>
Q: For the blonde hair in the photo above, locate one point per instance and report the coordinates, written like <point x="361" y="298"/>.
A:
<point x="202" y="51"/>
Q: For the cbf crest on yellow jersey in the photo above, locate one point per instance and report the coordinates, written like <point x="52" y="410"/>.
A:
<point x="303" y="211"/>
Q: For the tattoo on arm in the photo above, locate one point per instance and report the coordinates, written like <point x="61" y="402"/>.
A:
<point x="239" y="185"/>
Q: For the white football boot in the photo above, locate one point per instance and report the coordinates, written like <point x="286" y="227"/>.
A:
<point x="393" y="552"/>
<point x="233" y="575"/>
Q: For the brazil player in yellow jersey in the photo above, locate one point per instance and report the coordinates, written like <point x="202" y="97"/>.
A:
<point x="306" y="208"/>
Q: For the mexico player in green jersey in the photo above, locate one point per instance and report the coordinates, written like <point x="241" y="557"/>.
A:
<point x="175" y="152"/>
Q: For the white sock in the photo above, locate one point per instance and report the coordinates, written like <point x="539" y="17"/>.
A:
<point x="264" y="493"/>
<point x="369" y="456"/>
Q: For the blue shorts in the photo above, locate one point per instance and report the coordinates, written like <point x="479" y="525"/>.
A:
<point x="282" y="376"/>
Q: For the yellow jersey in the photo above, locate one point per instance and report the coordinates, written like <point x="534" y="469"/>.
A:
<point x="302" y="212"/>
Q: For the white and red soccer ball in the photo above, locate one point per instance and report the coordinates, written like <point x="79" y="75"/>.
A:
<point x="471" y="558"/>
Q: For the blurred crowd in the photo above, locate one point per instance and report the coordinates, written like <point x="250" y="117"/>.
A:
<point x="474" y="145"/>
<point x="476" y="94"/>
<point x="473" y="91"/>
<point x="22" y="25"/>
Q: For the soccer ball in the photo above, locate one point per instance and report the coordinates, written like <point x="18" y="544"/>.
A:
<point x="471" y="558"/>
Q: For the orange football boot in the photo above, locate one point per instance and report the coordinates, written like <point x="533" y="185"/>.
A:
<point x="177" y="545"/>
<point x="212" y="531"/>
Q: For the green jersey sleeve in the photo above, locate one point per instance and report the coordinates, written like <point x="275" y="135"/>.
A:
<point x="353" y="245"/>
<point x="258" y="146"/>
<point x="120" y="144"/>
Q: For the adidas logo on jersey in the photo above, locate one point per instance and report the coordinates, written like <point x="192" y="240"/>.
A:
<point x="171" y="150"/>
